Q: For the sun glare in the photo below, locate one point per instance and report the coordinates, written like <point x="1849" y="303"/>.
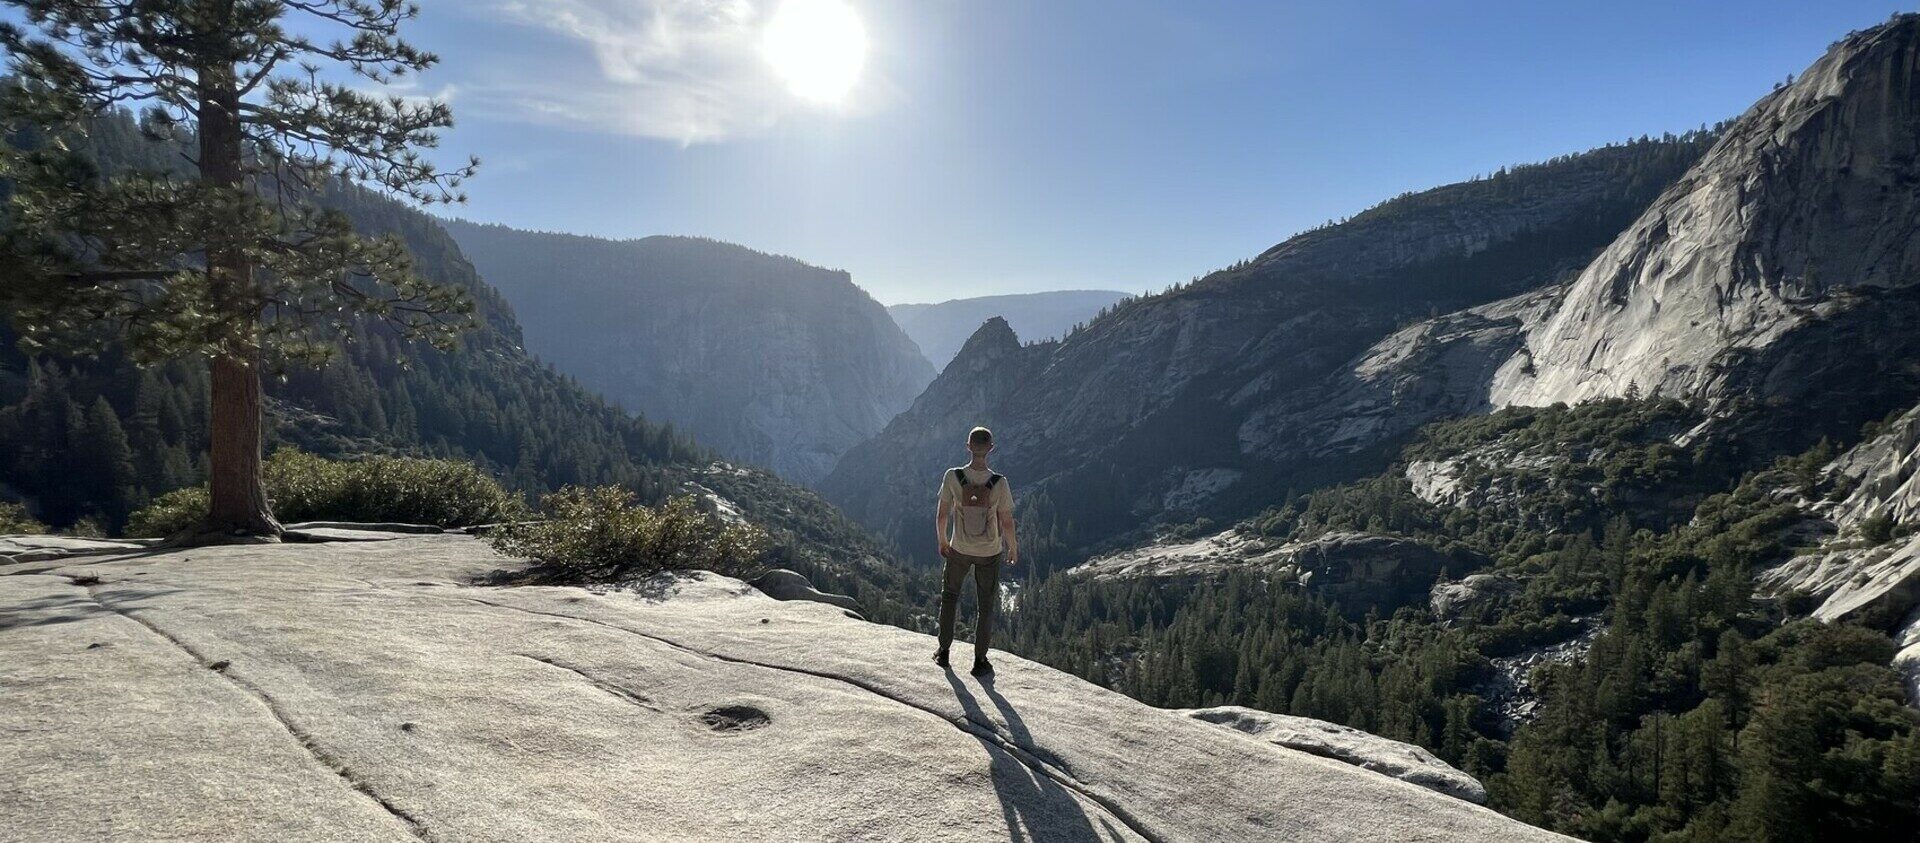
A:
<point x="817" y="47"/>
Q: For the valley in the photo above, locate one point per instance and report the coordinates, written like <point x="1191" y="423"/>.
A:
<point x="1579" y="498"/>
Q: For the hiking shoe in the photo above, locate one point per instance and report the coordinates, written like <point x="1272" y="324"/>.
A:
<point x="940" y="657"/>
<point x="981" y="667"/>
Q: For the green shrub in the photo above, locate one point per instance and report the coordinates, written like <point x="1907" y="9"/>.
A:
<point x="601" y="535"/>
<point x="448" y="493"/>
<point x="86" y="528"/>
<point x="170" y="513"/>
<point x="1878" y="530"/>
<point x="14" y="520"/>
<point x="304" y="487"/>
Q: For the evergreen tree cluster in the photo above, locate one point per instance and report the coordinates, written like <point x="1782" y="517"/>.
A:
<point x="86" y="441"/>
<point x="1700" y="712"/>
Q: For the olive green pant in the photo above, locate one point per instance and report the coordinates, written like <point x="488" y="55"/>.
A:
<point x="986" y="583"/>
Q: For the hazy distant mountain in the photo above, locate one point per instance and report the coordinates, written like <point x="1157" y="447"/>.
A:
<point x="764" y="358"/>
<point x="940" y="329"/>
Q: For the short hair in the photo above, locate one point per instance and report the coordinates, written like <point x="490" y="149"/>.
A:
<point x="980" y="436"/>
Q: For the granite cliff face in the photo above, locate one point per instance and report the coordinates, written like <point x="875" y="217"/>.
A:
<point x="941" y="329"/>
<point x="1781" y="270"/>
<point x="374" y="691"/>
<point x="762" y="358"/>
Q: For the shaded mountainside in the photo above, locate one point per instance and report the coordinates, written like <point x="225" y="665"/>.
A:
<point x="763" y="358"/>
<point x="941" y="329"/>
<point x="1139" y="413"/>
<point x="96" y="439"/>
<point x="375" y="691"/>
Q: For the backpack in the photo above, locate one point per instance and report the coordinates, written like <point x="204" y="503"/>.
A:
<point x="976" y="505"/>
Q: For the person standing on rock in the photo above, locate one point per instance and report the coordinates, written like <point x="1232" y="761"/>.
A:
<point x="974" y="523"/>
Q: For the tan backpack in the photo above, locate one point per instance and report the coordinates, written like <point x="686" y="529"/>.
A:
<point x="976" y="505"/>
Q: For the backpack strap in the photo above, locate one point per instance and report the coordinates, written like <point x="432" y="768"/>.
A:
<point x="960" y="477"/>
<point x="992" y="478"/>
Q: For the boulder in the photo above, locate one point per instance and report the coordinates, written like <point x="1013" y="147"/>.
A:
<point x="1365" y="750"/>
<point x="782" y="584"/>
<point x="372" y="691"/>
<point x="1470" y="595"/>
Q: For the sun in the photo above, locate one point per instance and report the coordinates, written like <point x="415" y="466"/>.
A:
<point x="817" y="47"/>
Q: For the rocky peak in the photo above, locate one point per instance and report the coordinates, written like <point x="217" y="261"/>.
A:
<point x="930" y="436"/>
<point x="941" y="329"/>
<point x="992" y="341"/>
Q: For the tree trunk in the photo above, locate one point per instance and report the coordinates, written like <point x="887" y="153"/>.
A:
<point x="239" y="495"/>
<point x="237" y="489"/>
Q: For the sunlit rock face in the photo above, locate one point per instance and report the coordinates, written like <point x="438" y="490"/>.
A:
<point x="1432" y="369"/>
<point x="375" y="691"/>
<point x="1862" y="571"/>
<point x="1360" y="571"/>
<point x="1780" y="268"/>
<point x="1881" y="477"/>
<point x="1403" y="761"/>
<point x="1868" y="567"/>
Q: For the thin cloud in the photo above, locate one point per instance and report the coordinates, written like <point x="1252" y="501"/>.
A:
<point x="683" y="70"/>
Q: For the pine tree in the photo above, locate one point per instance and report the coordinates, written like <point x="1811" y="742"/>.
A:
<point x="234" y="261"/>
<point x="102" y="445"/>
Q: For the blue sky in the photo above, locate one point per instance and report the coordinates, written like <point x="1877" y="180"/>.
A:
<point x="993" y="146"/>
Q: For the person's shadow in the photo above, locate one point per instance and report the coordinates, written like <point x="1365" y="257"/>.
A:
<point x="1035" y="807"/>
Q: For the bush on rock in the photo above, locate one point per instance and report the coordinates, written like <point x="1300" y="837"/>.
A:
<point x="601" y="534"/>
<point x="14" y="520"/>
<point x="304" y="487"/>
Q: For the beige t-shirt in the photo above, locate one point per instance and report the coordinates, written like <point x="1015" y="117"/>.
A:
<point x="974" y="530"/>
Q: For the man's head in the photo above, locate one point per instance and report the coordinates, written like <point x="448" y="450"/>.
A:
<point x="979" y="441"/>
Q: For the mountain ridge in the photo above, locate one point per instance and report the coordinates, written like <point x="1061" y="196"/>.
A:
<point x="1164" y="382"/>
<point x="766" y="359"/>
<point x="940" y="328"/>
